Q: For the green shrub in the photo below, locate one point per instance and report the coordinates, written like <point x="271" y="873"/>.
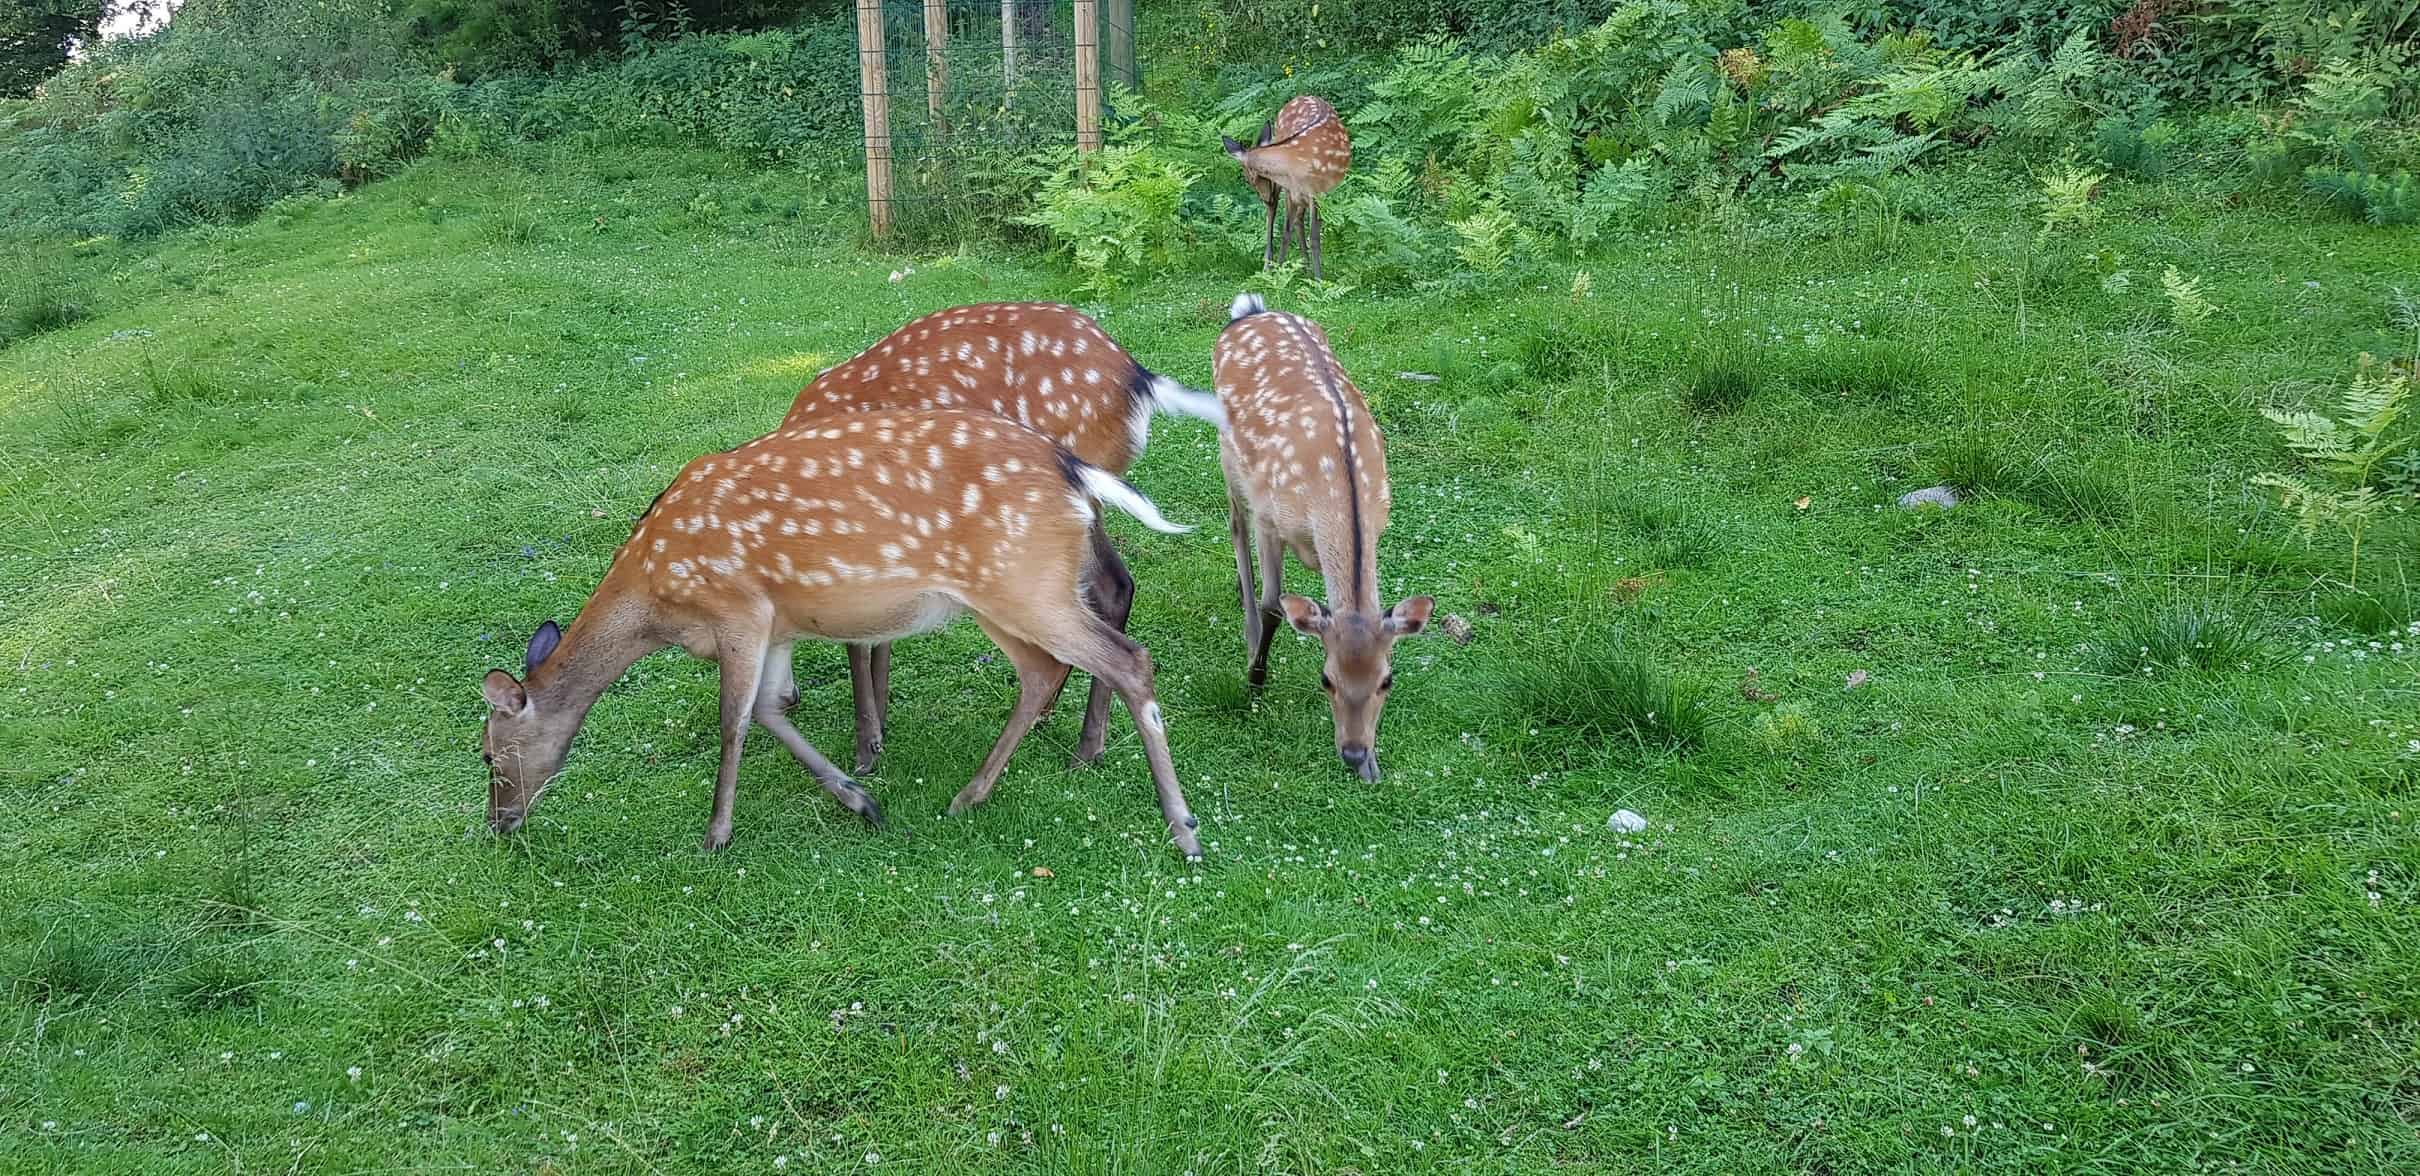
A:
<point x="1115" y="215"/>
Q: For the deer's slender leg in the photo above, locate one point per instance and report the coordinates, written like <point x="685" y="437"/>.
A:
<point x="1286" y="236"/>
<point x="1269" y="228"/>
<point x="1112" y="593"/>
<point x="882" y="689"/>
<point x="742" y="654"/>
<point x="843" y="789"/>
<point x="1310" y="243"/>
<point x="1239" y="526"/>
<point x="1272" y="586"/>
<point x="785" y="673"/>
<point x="1039" y="677"/>
<point x="1108" y="654"/>
<point x="869" y="689"/>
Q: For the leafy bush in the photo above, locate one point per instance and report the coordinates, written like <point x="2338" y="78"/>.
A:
<point x="1115" y="214"/>
<point x="2330" y="139"/>
<point x="2347" y="449"/>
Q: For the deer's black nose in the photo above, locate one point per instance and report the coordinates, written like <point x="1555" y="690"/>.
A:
<point x="1362" y="760"/>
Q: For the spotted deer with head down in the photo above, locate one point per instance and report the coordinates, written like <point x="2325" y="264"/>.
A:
<point x="1041" y="364"/>
<point x="1300" y="154"/>
<point x="1306" y="473"/>
<point x="864" y="528"/>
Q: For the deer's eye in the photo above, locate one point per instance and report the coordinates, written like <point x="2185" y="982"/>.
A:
<point x="1326" y="683"/>
<point x="1387" y="683"/>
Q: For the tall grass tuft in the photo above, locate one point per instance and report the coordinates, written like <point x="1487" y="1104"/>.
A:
<point x="2181" y="635"/>
<point x="1872" y="372"/>
<point x="1719" y="382"/>
<point x="38" y="311"/>
<point x="1600" y="692"/>
<point x="2376" y="610"/>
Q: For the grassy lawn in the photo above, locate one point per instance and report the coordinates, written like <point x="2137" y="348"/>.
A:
<point x="2032" y="895"/>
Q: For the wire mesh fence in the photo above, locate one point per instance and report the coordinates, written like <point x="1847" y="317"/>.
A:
<point x="969" y="103"/>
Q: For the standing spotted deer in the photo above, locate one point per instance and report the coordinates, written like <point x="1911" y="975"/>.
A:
<point x="1306" y="473"/>
<point x="861" y="529"/>
<point x="1044" y="365"/>
<point x="1301" y="154"/>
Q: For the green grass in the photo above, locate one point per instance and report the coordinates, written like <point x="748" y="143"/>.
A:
<point x="274" y="506"/>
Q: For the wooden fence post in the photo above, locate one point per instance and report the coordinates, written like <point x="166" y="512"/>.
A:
<point x="1008" y="52"/>
<point x="874" y="91"/>
<point x="936" y="63"/>
<point x="1120" y="14"/>
<point x="1088" y="75"/>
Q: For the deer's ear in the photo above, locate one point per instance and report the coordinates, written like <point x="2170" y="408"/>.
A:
<point x="1268" y="131"/>
<point x="504" y="693"/>
<point x="1233" y="148"/>
<point x="543" y="642"/>
<point x="1305" y="614"/>
<point x="1410" y="615"/>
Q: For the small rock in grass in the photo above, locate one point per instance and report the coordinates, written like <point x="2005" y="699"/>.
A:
<point x="1418" y="377"/>
<point x="1945" y="497"/>
<point x="1457" y="627"/>
<point x="1625" y="821"/>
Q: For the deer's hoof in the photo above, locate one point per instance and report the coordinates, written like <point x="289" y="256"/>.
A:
<point x="716" y="840"/>
<point x="871" y="813"/>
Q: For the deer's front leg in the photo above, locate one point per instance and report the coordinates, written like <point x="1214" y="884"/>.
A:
<point x="843" y="789"/>
<point x="782" y="676"/>
<point x="1239" y="527"/>
<point x="869" y="686"/>
<point x="1272" y="586"/>
<point x="742" y="655"/>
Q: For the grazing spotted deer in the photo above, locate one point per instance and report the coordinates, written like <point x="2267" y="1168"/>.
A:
<point x="1301" y="154"/>
<point x="1306" y="473"/>
<point x="1044" y="365"/>
<point x="866" y="528"/>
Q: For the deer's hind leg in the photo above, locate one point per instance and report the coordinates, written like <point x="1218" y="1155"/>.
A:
<point x="1039" y="678"/>
<point x="1091" y="645"/>
<point x="1111" y="589"/>
<point x="1268" y="231"/>
<point x="1311" y="230"/>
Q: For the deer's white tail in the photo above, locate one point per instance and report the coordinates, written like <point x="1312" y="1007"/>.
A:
<point x="1109" y="488"/>
<point x="1246" y="305"/>
<point x="1173" y="398"/>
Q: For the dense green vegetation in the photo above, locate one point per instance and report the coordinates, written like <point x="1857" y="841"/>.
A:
<point x="2067" y="829"/>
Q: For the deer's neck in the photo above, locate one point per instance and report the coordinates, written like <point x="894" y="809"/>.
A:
<point x="1350" y="570"/>
<point x="601" y="644"/>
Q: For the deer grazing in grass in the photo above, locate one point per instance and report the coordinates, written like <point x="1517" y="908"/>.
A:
<point x="1041" y="364"/>
<point x="864" y="528"/>
<point x="1301" y="154"/>
<point x="1306" y="473"/>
